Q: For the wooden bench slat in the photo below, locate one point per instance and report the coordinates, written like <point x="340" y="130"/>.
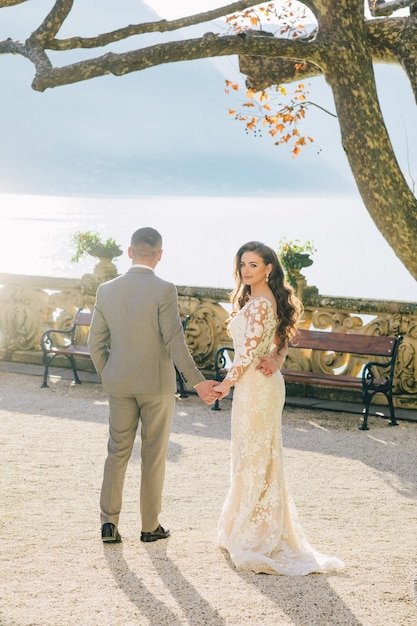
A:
<point x="331" y="380"/>
<point x="373" y="345"/>
<point x="83" y="318"/>
<point x="74" y="350"/>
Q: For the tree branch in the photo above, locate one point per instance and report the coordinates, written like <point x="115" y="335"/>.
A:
<point x="52" y="23"/>
<point x="380" y="8"/>
<point x="386" y="39"/>
<point x="159" y="26"/>
<point x="208" y="46"/>
<point x="10" y="3"/>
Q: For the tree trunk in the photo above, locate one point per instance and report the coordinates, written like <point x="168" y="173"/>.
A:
<point x="348" y="70"/>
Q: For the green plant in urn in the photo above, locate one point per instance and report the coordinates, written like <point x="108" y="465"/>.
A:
<point x="294" y="255"/>
<point x="89" y="242"/>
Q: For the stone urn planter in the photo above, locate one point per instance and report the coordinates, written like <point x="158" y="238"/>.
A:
<point x="294" y="256"/>
<point x="89" y="243"/>
<point x="105" y="266"/>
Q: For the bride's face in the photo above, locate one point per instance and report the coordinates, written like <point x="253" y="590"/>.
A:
<point x="253" y="269"/>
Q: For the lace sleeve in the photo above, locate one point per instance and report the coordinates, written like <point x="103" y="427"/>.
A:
<point x="252" y="342"/>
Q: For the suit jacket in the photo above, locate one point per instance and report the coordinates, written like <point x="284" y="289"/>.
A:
<point x="136" y="336"/>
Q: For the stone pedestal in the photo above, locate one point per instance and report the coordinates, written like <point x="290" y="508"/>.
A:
<point x="299" y="282"/>
<point x="105" y="269"/>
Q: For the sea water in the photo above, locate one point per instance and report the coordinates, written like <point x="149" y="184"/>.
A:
<point x="201" y="236"/>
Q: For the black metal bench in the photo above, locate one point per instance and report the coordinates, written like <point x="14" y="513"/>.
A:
<point x="66" y="342"/>
<point x="376" y="376"/>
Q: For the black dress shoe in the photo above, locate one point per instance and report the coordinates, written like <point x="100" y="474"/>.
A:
<point x="110" y="534"/>
<point x="158" y="533"/>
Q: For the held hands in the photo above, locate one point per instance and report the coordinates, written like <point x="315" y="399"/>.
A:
<point x="206" y="391"/>
<point x="223" y="389"/>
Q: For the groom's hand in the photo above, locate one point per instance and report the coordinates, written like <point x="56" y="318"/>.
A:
<point x="206" y="392"/>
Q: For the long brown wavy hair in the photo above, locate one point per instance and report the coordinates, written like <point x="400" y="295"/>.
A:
<point x="289" y="307"/>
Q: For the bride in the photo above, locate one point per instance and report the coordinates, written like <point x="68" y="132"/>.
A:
<point x="258" y="524"/>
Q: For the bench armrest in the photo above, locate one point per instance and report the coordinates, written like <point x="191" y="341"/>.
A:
<point x="47" y="341"/>
<point x="383" y="377"/>
<point x="220" y="362"/>
<point x="369" y="376"/>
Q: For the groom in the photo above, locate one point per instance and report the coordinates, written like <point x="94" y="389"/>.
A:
<point x="135" y="339"/>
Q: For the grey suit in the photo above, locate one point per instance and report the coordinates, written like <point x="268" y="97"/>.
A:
<point x="135" y="339"/>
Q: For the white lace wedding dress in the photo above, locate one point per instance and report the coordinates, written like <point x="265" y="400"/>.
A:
<point x="259" y="525"/>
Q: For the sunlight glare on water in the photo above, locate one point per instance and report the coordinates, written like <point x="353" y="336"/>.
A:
<point x="201" y="236"/>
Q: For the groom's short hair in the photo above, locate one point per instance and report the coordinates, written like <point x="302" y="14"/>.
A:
<point x="146" y="241"/>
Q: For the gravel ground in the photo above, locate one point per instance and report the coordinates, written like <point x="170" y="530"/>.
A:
<point x="355" y="492"/>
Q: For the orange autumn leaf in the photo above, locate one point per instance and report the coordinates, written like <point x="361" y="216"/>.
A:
<point x="274" y="108"/>
<point x="272" y="119"/>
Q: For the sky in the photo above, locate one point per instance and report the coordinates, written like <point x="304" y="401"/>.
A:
<point x="179" y="8"/>
<point x="118" y="134"/>
<point x="168" y="102"/>
<point x="150" y="115"/>
<point x="167" y="130"/>
<point x="401" y="119"/>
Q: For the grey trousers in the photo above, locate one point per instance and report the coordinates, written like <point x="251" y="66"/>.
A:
<point x="154" y="412"/>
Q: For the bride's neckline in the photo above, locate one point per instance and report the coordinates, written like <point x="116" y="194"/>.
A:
<point x="252" y="299"/>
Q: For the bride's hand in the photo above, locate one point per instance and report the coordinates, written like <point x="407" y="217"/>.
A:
<point x="267" y="365"/>
<point x="223" y="389"/>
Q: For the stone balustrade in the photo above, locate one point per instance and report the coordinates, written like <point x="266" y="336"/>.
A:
<point x="31" y="304"/>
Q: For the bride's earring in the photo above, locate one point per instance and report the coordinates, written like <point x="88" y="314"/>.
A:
<point x="267" y="277"/>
